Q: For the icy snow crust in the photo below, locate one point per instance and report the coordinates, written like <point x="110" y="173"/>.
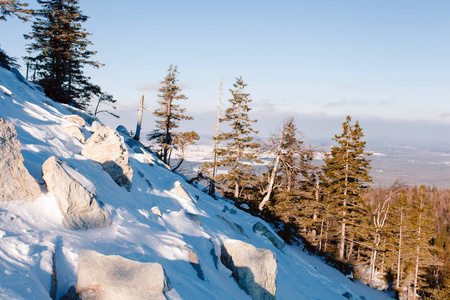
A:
<point x="30" y="232"/>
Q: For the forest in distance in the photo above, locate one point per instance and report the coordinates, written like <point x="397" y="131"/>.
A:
<point x="395" y="238"/>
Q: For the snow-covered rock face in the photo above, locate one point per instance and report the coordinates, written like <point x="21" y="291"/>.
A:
<point x="106" y="147"/>
<point x="115" y="277"/>
<point x="15" y="181"/>
<point x="76" y="132"/>
<point x="254" y="269"/>
<point x="76" y="120"/>
<point x="77" y="204"/>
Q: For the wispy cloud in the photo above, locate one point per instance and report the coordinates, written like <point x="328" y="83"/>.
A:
<point x="445" y="115"/>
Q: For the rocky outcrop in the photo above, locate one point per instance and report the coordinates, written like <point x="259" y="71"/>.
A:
<point x="195" y="263"/>
<point x="75" y="196"/>
<point x="76" y="120"/>
<point x="76" y="132"/>
<point x="235" y="226"/>
<point x="255" y="270"/>
<point x="194" y="218"/>
<point x="179" y="190"/>
<point x="260" y="227"/>
<point x="15" y="181"/>
<point x="115" y="277"/>
<point x="106" y="147"/>
<point x="96" y="126"/>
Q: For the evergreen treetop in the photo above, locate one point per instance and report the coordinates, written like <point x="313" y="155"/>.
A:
<point x="239" y="151"/>
<point x="62" y="50"/>
<point x="169" y="113"/>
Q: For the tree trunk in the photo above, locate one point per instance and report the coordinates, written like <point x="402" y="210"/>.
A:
<point x="139" y="122"/>
<point x="399" y="259"/>
<point x="213" y="181"/>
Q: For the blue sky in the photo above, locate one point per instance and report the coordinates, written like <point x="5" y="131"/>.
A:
<point x="379" y="60"/>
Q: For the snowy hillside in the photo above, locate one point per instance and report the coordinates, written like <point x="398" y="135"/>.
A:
<point x="32" y="234"/>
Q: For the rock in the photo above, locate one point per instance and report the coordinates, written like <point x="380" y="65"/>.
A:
<point x="121" y="129"/>
<point x="106" y="147"/>
<point x="77" y="204"/>
<point x="15" y="181"/>
<point x="76" y="120"/>
<point x="236" y="227"/>
<point x="255" y="270"/>
<point x="214" y="255"/>
<point x="179" y="190"/>
<point x="156" y="211"/>
<point x="71" y="294"/>
<point x="259" y="227"/>
<point x="232" y="211"/>
<point x="76" y="132"/>
<point x="244" y="206"/>
<point x="195" y="263"/>
<point x="115" y="277"/>
<point x="194" y="218"/>
<point x="348" y="295"/>
<point x="96" y="126"/>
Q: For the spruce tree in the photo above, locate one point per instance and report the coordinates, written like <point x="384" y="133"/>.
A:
<point x="346" y="177"/>
<point x="16" y="8"/>
<point x="169" y="114"/>
<point x="240" y="148"/>
<point x="62" y="51"/>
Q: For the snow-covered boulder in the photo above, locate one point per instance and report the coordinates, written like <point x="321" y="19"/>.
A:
<point x="255" y="270"/>
<point x="261" y="228"/>
<point x="180" y="191"/>
<point x="15" y="181"/>
<point x="75" y="196"/>
<point x="106" y="147"/>
<point x="76" y="120"/>
<point x="76" y="132"/>
<point x="96" y="126"/>
<point x="115" y="277"/>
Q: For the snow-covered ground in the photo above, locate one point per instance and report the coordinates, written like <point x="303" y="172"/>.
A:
<point x="30" y="232"/>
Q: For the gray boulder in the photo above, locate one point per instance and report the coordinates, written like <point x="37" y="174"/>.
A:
<point x="75" y="196"/>
<point x="255" y="270"/>
<point x="115" y="277"/>
<point x="260" y="227"/>
<point x="106" y="147"/>
<point x="15" y="181"/>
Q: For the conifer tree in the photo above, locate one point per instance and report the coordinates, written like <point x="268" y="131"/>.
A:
<point x="421" y="218"/>
<point x="240" y="148"/>
<point x="346" y="177"/>
<point x="169" y="114"/>
<point x="16" y="8"/>
<point x="62" y="51"/>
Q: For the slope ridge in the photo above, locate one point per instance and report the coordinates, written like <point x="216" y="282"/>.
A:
<point x="31" y="231"/>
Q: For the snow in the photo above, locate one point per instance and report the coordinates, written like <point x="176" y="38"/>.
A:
<point x="31" y="232"/>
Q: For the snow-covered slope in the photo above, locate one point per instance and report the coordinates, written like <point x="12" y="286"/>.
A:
<point x="31" y="231"/>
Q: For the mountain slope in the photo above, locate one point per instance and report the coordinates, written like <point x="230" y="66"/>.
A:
<point x="31" y="231"/>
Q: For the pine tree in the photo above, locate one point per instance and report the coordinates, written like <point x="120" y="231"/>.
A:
<point x="346" y="177"/>
<point x="16" y="8"/>
<point x="239" y="152"/>
<point x="421" y="218"/>
<point x="61" y="45"/>
<point x="169" y="114"/>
